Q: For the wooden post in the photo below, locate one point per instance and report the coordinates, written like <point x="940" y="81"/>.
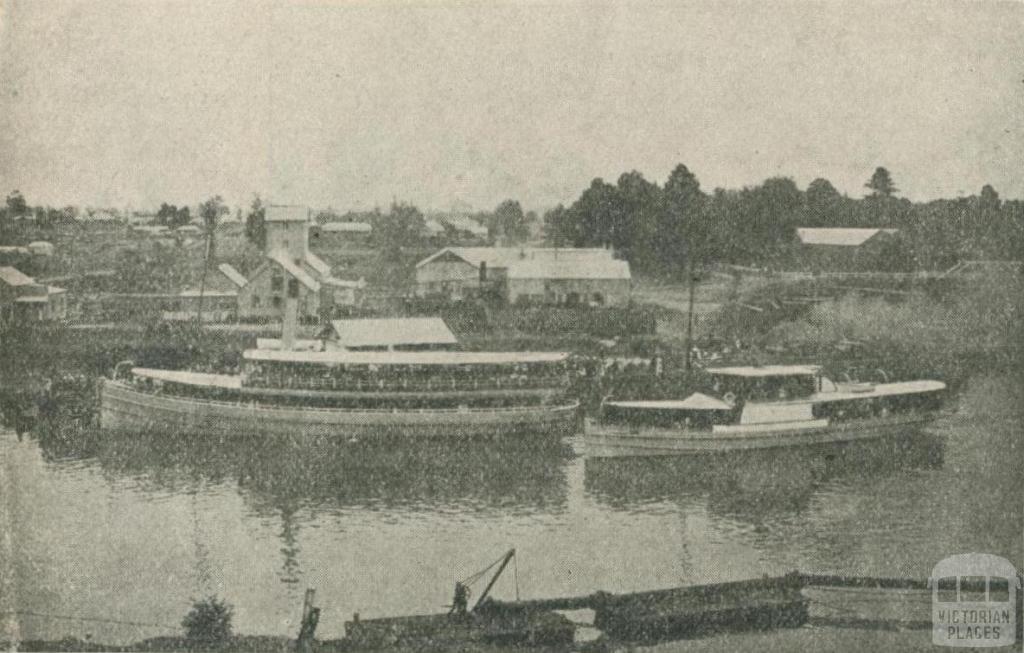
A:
<point x="307" y="628"/>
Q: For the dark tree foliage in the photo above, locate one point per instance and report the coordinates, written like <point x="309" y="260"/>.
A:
<point x="656" y="228"/>
<point x="16" y="205"/>
<point x="881" y="183"/>
<point x="171" y="216"/>
<point x="255" y="226"/>
<point x="208" y="623"/>
<point x="400" y="229"/>
<point x="508" y="223"/>
<point x="403" y="226"/>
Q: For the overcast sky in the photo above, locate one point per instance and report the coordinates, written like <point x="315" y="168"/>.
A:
<point x="354" y="104"/>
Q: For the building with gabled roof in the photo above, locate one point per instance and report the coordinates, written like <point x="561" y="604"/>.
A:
<point x="846" y="248"/>
<point x="538" y="274"/>
<point x="24" y="300"/>
<point x="236" y="278"/>
<point x="839" y="236"/>
<point x="287" y="259"/>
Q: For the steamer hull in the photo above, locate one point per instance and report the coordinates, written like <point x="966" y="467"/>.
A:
<point x="608" y="441"/>
<point x="125" y="409"/>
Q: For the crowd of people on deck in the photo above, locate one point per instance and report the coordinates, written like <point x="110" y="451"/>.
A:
<point x="409" y="378"/>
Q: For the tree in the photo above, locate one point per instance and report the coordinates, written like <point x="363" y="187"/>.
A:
<point x="881" y="184"/>
<point x="210" y="211"/>
<point x="208" y="623"/>
<point x="822" y="202"/>
<point x="683" y="230"/>
<point x="402" y="227"/>
<point x="989" y="198"/>
<point x="255" y="224"/>
<point x="16" y="205"/>
<point x="509" y="223"/>
<point x="559" y="227"/>
<point x="167" y="214"/>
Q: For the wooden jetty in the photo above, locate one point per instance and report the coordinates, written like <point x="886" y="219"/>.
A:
<point x="764" y="604"/>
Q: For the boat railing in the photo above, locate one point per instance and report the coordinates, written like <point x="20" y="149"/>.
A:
<point x="405" y="385"/>
<point x="263" y="407"/>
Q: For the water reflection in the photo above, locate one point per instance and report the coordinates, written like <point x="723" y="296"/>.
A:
<point x="503" y="475"/>
<point x="752" y="487"/>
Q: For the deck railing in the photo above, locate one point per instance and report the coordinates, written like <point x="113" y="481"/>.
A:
<point x="253" y="405"/>
<point x="405" y="385"/>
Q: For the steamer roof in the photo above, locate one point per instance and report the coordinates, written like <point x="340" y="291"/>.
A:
<point x="394" y="332"/>
<point x="404" y="357"/>
<point x="696" y="401"/>
<point x="761" y="371"/>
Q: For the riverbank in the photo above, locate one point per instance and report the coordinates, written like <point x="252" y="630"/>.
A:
<point x="806" y="638"/>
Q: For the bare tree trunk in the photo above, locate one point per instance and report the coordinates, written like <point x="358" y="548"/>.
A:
<point x="689" y="315"/>
<point x="202" y="283"/>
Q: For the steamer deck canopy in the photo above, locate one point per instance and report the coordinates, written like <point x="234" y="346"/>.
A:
<point x="696" y="410"/>
<point x="433" y="358"/>
<point x="406" y="370"/>
<point x="767" y="382"/>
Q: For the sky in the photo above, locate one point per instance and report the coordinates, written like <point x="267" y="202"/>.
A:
<point x="444" y="104"/>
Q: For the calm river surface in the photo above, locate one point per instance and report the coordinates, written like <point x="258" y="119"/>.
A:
<point x="133" y="529"/>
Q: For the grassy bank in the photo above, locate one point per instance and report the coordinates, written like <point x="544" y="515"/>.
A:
<point x="946" y="333"/>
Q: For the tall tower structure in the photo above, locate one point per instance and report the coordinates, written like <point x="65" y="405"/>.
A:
<point x="287" y="230"/>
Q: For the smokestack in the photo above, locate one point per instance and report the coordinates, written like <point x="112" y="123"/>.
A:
<point x="290" y="321"/>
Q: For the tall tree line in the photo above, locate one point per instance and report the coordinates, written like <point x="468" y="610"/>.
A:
<point x="657" y="227"/>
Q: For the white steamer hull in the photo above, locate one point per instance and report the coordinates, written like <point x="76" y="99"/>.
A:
<point x="125" y="409"/>
<point x="603" y="441"/>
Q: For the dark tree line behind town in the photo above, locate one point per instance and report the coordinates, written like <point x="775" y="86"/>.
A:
<point x="656" y="227"/>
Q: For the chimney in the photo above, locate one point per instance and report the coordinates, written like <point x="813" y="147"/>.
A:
<point x="290" y="321"/>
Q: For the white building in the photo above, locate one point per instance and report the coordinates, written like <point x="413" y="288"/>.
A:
<point x="556" y="275"/>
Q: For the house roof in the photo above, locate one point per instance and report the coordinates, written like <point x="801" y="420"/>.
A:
<point x="502" y="257"/>
<point x="842" y="237"/>
<point x="296" y="271"/>
<point x="15" y="277"/>
<point x="696" y="401"/>
<point x="300" y="343"/>
<point x="193" y="292"/>
<point x="405" y="357"/>
<point x="343" y="283"/>
<point x="462" y="223"/>
<point x="282" y="213"/>
<point x="433" y="226"/>
<point x="392" y="332"/>
<point x="586" y="268"/>
<point x="347" y="227"/>
<point x="232" y="274"/>
<point x="318" y="264"/>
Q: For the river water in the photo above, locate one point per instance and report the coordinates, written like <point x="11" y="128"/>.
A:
<point x="133" y="529"/>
